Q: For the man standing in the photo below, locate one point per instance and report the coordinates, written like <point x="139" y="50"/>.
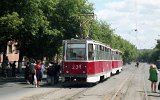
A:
<point x="5" y="66"/>
<point x="13" y="65"/>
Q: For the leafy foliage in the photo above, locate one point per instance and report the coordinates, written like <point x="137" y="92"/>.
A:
<point x="9" y="27"/>
<point x="39" y="26"/>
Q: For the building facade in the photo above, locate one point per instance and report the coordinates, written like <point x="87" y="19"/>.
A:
<point x="12" y="52"/>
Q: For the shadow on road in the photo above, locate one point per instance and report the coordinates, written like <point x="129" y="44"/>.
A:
<point x="19" y="79"/>
<point x="154" y="94"/>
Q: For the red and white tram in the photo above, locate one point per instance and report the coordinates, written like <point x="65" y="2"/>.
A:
<point x="116" y="61"/>
<point x="89" y="61"/>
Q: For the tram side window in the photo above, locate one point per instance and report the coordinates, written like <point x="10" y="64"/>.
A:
<point x="107" y="53"/>
<point x="103" y="52"/>
<point x="100" y="52"/>
<point x="96" y="52"/>
<point x="90" y="52"/>
<point x="113" y="57"/>
<point x="117" y="56"/>
<point x="110" y="54"/>
<point x="120" y="56"/>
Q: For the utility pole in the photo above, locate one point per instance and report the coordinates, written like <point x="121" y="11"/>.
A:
<point x="85" y="19"/>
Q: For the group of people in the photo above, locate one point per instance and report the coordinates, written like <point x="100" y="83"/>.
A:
<point x="53" y="72"/>
<point x="34" y="72"/>
<point x="6" y="66"/>
<point x="153" y="77"/>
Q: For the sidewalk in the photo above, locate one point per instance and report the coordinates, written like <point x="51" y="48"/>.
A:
<point x="19" y="78"/>
<point x="17" y="88"/>
<point x="12" y="79"/>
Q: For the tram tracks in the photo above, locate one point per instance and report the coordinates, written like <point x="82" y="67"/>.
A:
<point x="40" y="96"/>
<point x="59" y="94"/>
<point x="80" y="93"/>
<point x="115" y="88"/>
<point x="119" y="89"/>
<point x="120" y="93"/>
<point x="126" y="88"/>
<point x="145" y="86"/>
<point x="77" y="94"/>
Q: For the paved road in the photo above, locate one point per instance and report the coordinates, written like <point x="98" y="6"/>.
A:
<point x="131" y="84"/>
<point x="12" y="88"/>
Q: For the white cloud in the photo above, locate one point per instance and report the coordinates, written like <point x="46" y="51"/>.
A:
<point x="126" y="15"/>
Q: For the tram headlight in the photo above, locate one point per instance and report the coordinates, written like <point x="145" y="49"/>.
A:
<point x="84" y="72"/>
<point x="67" y="71"/>
<point x="66" y="66"/>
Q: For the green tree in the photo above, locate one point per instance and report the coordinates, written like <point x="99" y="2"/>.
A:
<point x="68" y="14"/>
<point x="39" y="26"/>
<point x="9" y="24"/>
<point x="101" y="31"/>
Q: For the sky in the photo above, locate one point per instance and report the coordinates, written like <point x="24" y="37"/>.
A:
<point x="126" y="16"/>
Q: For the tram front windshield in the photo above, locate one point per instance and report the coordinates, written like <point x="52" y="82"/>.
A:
<point x="75" y="51"/>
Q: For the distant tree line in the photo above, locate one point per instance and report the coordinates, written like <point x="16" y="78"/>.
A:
<point x="39" y="26"/>
<point x="150" y="55"/>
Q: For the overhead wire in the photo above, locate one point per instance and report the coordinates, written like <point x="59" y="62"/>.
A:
<point x="136" y="24"/>
<point x="136" y="12"/>
<point x="136" y="30"/>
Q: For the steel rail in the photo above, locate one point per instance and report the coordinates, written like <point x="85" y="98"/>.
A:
<point x="121" y="86"/>
<point x="145" y="87"/>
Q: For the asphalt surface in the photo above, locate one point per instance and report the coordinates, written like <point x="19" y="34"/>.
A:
<point x="15" y="88"/>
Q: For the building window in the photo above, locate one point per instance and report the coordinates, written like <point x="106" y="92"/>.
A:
<point x="9" y="48"/>
<point x="16" y="49"/>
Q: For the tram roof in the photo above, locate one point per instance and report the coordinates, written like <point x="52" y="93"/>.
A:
<point x="77" y="40"/>
<point x="85" y="40"/>
<point x="90" y="40"/>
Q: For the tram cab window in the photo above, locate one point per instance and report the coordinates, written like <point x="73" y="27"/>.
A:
<point x="76" y="52"/>
<point x="90" y="52"/>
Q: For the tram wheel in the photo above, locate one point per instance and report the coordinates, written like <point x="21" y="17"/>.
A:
<point x="111" y="74"/>
<point x="93" y="84"/>
<point x="117" y="72"/>
<point x="101" y="78"/>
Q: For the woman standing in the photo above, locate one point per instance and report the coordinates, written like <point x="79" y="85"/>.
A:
<point x="38" y="68"/>
<point x="153" y="77"/>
